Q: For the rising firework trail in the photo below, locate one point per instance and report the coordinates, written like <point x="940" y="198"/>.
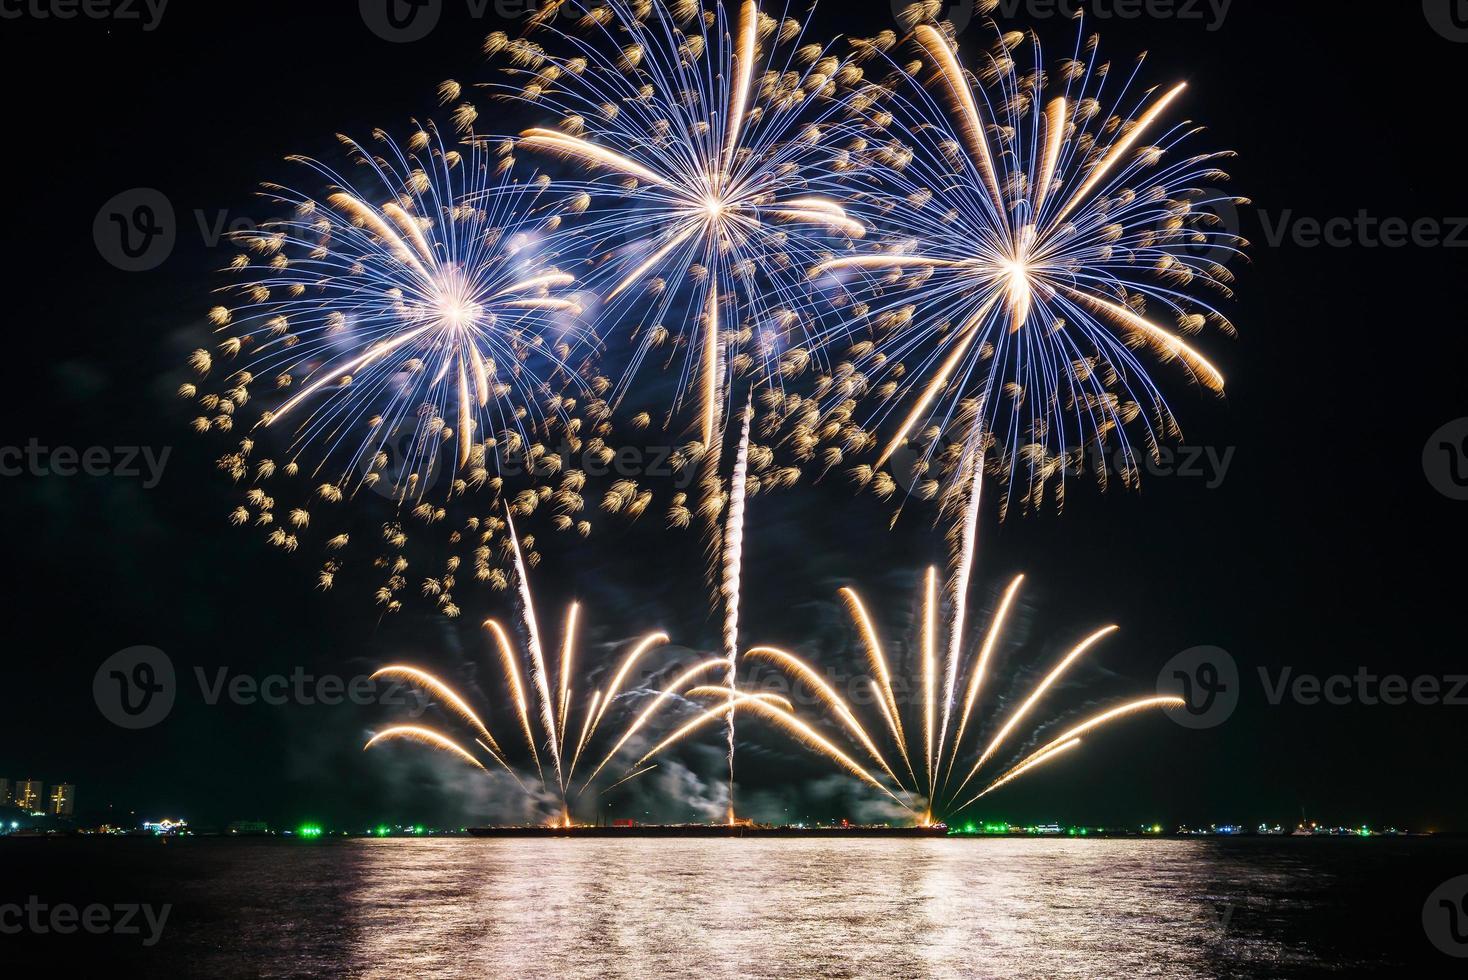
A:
<point x="732" y="583"/>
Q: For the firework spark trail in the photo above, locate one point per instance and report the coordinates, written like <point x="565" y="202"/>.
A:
<point x="964" y="344"/>
<point x="968" y="537"/>
<point x="503" y="764"/>
<point x="930" y="668"/>
<point x="878" y="662"/>
<point x="707" y="716"/>
<point x="712" y="384"/>
<point x="1085" y="727"/>
<point x="671" y="690"/>
<point x="976" y="679"/>
<point x="628" y="778"/>
<point x="810" y="736"/>
<point x="428" y="736"/>
<point x="568" y="656"/>
<point x="517" y="688"/>
<point x="438" y="687"/>
<point x="732" y="584"/>
<point x="780" y="711"/>
<point x="538" y="673"/>
<point x="585" y="729"/>
<point x="1032" y="763"/>
<point x="618" y="679"/>
<point x="1039" y="692"/>
<point x="828" y="695"/>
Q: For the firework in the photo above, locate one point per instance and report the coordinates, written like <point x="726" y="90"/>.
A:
<point x="1044" y="232"/>
<point x="933" y="784"/>
<point x="708" y="148"/>
<point x="421" y="298"/>
<point x="406" y="331"/>
<point x="560" y="704"/>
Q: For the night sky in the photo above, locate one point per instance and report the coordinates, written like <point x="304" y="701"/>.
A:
<point x="1325" y="549"/>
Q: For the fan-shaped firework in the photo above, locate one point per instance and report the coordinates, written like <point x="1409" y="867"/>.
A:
<point x="406" y="331"/>
<point x="712" y="144"/>
<point x="1045" y="231"/>
<point x="935" y="762"/>
<point x="554" y="729"/>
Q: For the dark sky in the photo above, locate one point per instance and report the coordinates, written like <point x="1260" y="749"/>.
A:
<point x="1325" y="549"/>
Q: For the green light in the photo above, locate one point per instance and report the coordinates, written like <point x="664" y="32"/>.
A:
<point x="383" y="831"/>
<point x="309" y="830"/>
<point x="417" y="830"/>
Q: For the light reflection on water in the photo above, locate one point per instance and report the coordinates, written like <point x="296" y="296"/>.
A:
<point x="680" y="907"/>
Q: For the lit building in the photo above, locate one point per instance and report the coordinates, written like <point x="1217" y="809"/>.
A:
<point x="63" y="800"/>
<point x="28" y="795"/>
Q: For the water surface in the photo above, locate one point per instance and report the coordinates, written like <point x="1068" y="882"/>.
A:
<point x="755" y="908"/>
